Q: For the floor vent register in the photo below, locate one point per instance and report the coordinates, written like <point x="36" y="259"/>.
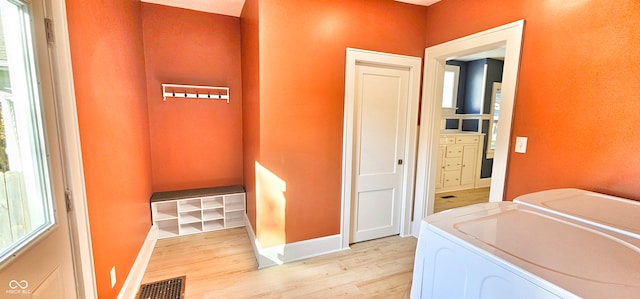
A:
<point x="172" y="288"/>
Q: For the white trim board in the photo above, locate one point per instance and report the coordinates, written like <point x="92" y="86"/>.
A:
<point x="80" y="231"/>
<point x="413" y="64"/>
<point x="278" y="255"/>
<point x="508" y="36"/>
<point x="132" y="283"/>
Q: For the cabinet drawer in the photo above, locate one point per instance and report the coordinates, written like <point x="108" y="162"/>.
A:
<point x="451" y="178"/>
<point x="452" y="164"/>
<point x="467" y="139"/>
<point x="454" y="151"/>
<point x="447" y="139"/>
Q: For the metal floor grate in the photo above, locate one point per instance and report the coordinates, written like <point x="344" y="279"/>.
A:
<point x="172" y="288"/>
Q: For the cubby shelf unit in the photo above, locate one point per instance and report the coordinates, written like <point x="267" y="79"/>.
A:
<point x="195" y="92"/>
<point x="178" y="213"/>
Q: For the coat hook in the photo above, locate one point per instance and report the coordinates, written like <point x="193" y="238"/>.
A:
<point x="216" y="93"/>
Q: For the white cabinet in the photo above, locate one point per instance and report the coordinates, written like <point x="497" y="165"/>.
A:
<point x="178" y="213"/>
<point x="469" y="160"/>
<point x="459" y="161"/>
<point x="439" y="175"/>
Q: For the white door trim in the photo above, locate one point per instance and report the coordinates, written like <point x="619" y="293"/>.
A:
<point x="510" y="36"/>
<point x="74" y="169"/>
<point x="413" y="64"/>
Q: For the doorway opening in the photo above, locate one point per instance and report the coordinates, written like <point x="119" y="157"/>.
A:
<point x="468" y="129"/>
<point x="507" y="37"/>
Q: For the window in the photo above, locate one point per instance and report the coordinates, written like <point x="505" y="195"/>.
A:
<point x="495" y="112"/>
<point x="26" y="209"/>
<point x="450" y="89"/>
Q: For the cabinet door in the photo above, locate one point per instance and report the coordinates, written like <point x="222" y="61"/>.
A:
<point x="469" y="160"/>
<point x="440" y="170"/>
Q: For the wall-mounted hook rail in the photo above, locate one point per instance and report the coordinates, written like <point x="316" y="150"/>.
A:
<point x="194" y="92"/>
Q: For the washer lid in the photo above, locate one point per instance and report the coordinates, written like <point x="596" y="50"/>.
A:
<point x="605" y="211"/>
<point x="579" y="258"/>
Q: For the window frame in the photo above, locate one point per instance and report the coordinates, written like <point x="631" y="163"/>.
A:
<point x="448" y="111"/>
<point x="496" y="91"/>
<point x="29" y="120"/>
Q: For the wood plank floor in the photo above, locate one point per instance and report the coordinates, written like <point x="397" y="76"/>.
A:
<point x="461" y="198"/>
<point x="221" y="264"/>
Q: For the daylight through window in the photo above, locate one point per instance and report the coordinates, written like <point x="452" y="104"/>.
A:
<point x="25" y="194"/>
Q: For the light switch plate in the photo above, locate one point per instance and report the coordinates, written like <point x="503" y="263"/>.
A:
<point x="521" y="145"/>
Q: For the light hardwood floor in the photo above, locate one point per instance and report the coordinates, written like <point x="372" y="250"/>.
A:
<point x="221" y="264"/>
<point x="462" y="198"/>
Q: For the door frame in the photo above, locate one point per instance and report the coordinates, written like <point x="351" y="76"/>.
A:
<point x="72" y="153"/>
<point x="509" y="36"/>
<point x="413" y="65"/>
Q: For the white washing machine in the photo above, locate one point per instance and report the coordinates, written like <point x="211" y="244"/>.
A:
<point x="564" y="243"/>
<point x="605" y="211"/>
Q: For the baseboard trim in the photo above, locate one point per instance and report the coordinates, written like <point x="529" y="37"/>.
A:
<point x="277" y="255"/>
<point x="486" y="182"/>
<point x="131" y="284"/>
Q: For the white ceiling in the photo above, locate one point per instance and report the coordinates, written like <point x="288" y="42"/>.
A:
<point x="495" y="54"/>
<point x="234" y="7"/>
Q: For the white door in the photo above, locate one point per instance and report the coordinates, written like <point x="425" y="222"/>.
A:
<point x="35" y="250"/>
<point x="381" y="98"/>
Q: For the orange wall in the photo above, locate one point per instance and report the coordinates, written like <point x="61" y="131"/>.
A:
<point x="251" y="102"/>
<point x="108" y="69"/>
<point x="195" y="143"/>
<point x="302" y="46"/>
<point x="577" y="89"/>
